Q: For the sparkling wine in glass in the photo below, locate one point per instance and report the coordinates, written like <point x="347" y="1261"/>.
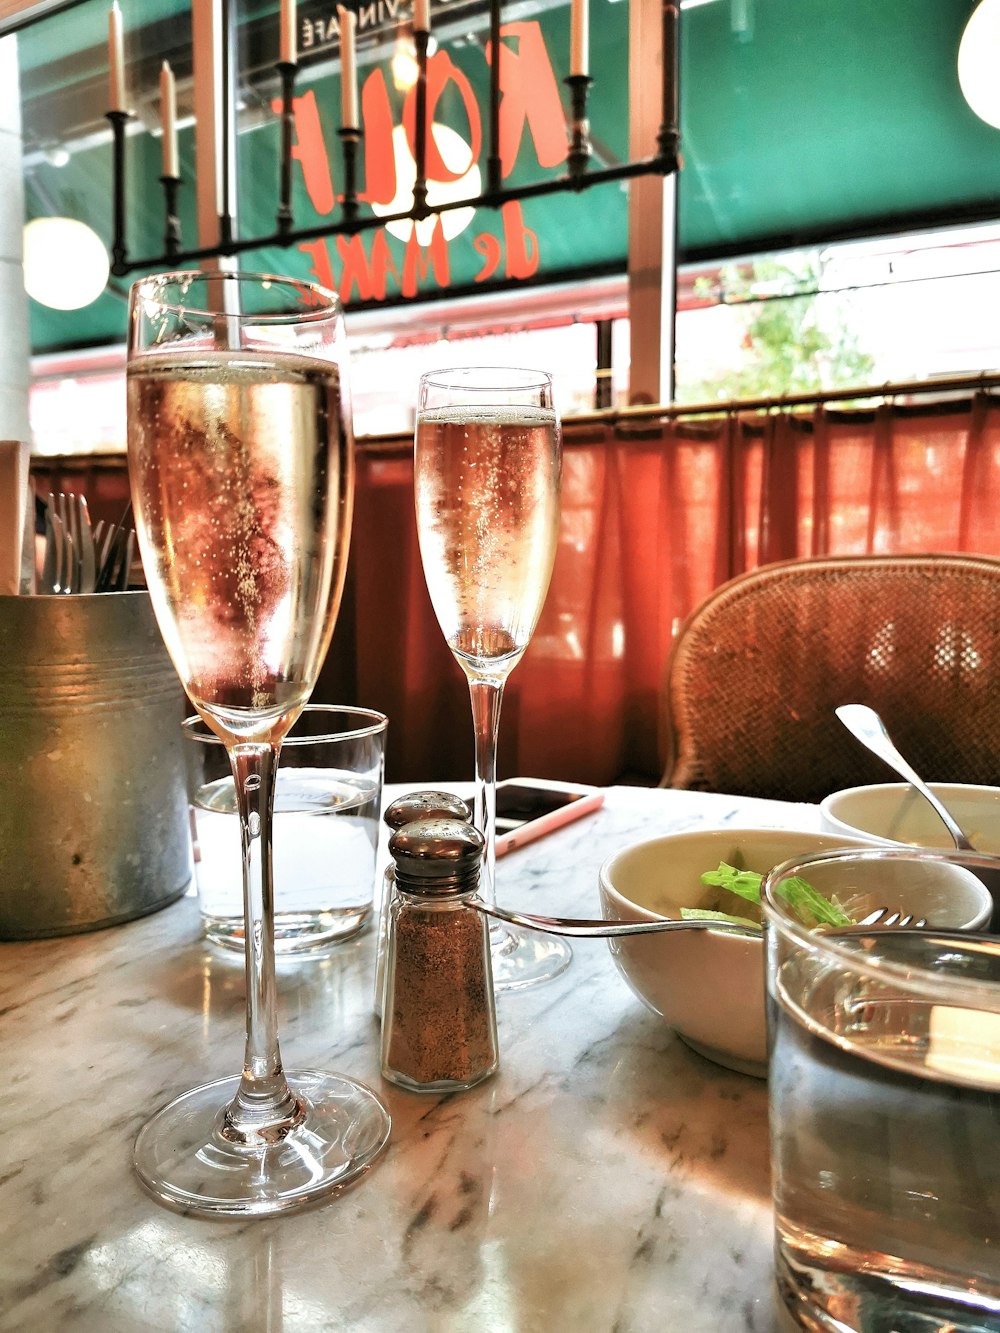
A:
<point x="487" y="466"/>
<point x="242" y="474"/>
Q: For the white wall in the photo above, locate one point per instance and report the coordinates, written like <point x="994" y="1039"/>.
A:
<point x="15" y="351"/>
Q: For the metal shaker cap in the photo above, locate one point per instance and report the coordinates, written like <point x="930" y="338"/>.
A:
<point x="426" y="805"/>
<point x="437" y="857"/>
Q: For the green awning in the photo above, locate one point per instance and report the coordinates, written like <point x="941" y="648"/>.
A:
<point x="830" y="118"/>
<point x="800" y="122"/>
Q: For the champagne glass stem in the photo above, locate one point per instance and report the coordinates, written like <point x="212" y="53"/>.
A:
<point x="264" y="1106"/>
<point x="487" y="696"/>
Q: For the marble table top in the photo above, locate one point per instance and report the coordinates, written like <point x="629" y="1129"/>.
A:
<point x="606" y="1179"/>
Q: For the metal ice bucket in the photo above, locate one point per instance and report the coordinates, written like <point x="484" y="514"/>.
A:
<point x="93" y="808"/>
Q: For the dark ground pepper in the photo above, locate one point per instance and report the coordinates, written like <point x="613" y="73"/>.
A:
<point x="441" y="1021"/>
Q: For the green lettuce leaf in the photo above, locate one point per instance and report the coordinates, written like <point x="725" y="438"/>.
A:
<point x="808" y="904"/>
<point x="744" y="883"/>
<point x="698" y="913"/>
<point x="804" y="900"/>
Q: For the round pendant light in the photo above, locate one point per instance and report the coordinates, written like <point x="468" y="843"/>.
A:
<point x="65" y="263"/>
<point x="978" y="59"/>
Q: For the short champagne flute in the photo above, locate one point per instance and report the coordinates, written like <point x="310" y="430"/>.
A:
<point x="242" y="473"/>
<point x="487" y="469"/>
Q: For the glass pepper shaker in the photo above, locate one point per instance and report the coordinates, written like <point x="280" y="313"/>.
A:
<point x="404" y="810"/>
<point x="439" y="1030"/>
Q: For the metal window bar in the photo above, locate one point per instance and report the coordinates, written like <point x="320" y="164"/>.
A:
<point x="862" y="396"/>
<point x="579" y="174"/>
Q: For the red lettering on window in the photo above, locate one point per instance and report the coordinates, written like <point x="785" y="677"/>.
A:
<point x="489" y="247"/>
<point x="310" y="150"/>
<point x="520" y="242"/>
<point x="369" y="276"/>
<point x="440" y="72"/>
<point x="380" y="158"/>
<point x="529" y="97"/>
<point x="319" y="267"/>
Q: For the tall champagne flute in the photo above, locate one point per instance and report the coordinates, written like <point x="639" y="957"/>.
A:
<point x="487" y="466"/>
<point x="242" y="473"/>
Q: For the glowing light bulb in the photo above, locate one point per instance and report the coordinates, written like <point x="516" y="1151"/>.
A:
<point x="65" y="263"/>
<point x="977" y="62"/>
<point x="404" y="66"/>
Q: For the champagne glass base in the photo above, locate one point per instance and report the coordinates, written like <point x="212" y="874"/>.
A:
<point x="183" y="1160"/>
<point x="523" y="958"/>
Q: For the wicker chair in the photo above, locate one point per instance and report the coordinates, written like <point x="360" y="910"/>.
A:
<point x="759" y="667"/>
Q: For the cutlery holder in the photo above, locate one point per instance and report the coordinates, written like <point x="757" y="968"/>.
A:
<point x="93" y="807"/>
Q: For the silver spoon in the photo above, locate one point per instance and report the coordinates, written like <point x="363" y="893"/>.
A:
<point x="580" y="926"/>
<point x="864" y="723"/>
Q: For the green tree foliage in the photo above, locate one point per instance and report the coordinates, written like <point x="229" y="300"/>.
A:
<point x="797" y="338"/>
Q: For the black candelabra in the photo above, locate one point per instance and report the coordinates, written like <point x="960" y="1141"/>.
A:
<point x="579" y="175"/>
<point x="118" y="119"/>
<point x="287" y="70"/>
<point x="578" y="157"/>
<point x="172" y="225"/>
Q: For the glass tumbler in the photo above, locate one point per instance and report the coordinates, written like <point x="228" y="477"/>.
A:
<point x="884" y="1069"/>
<point x="326" y="821"/>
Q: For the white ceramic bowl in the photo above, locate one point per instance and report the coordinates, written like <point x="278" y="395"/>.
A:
<point x="707" y="985"/>
<point x="892" y="812"/>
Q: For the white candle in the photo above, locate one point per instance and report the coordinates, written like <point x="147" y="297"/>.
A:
<point x="116" y="58"/>
<point x="421" y="15"/>
<point x="579" y="38"/>
<point x="168" y="118"/>
<point x="289" y="36"/>
<point x="349" y="118"/>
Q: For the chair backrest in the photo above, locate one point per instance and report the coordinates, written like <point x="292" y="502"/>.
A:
<point x="759" y="667"/>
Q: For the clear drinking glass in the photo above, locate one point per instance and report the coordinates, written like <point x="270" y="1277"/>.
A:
<point x="324" y="835"/>
<point x="487" y="467"/>
<point x="884" y="1094"/>
<point x="242" y="475"/>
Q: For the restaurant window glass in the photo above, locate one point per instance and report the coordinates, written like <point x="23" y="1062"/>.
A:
<point x="67" y="158"/>
<point x="903" y="309"/>
<point x="824" y="123"/>
<point x="462" y="251"/>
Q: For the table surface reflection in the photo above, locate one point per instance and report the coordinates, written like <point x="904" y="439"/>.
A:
<point x="606" y="1179"/>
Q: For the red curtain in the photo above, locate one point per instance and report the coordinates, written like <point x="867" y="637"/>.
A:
<point x="655" y="514"/>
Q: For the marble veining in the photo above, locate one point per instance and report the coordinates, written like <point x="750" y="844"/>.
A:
<point x="607" y="1179"/>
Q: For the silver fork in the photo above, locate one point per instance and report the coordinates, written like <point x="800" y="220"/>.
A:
<point x="115" y="556"/>
<point x="881" y="916"/>
<point x="63" y="541"/>
<point x="85" y="544"/>
<point x="52" y="567"/>
<point x="583" y="926"/>
<point x="70" y="516"/>
<point x="60" y="563"/>
<point x="76" y="518"/>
